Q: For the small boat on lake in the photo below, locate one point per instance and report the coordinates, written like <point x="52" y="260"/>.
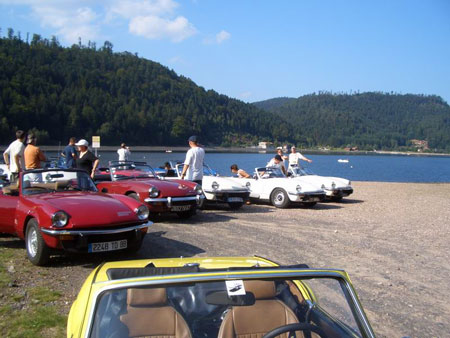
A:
<point x="343" y="160"/>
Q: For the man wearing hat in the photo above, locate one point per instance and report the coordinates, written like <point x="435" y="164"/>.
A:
<point x="86" y="160"/>
<point x="193" y="164"/>
<point x="32" y="154"/>
<point x="277" y="162"/>
<point x="295" y="157"/>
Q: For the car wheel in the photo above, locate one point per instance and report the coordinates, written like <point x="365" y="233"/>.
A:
<point x="235" y="205"/>
<point x="279" y="198"/>
<point x="135" y="196"/>
<point x="309" y="204"/>
<point x="37" y="251"/>
<point x="186" y="214"/>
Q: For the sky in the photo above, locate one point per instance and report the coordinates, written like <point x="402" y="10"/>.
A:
<point x="256" y="50"/>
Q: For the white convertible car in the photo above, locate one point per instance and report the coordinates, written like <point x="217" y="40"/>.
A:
<point x="270" y="184"/>
<point x="335" y="188"/>
<point x="217" y="189"/>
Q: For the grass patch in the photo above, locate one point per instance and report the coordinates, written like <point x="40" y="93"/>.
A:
<point x="41" y="294"/>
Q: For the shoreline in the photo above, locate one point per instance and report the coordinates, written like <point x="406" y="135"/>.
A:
<point x="179" y="149"/>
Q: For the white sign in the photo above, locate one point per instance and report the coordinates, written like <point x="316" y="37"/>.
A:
<point x="235" y="287"/>
<point x="95" y="141"/>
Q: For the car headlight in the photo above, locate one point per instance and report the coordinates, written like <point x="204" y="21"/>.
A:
<point x="198" y="189"/>
<point x="142" y="212"/>
<point x="60" y="219"/>
<point x="333" y="185"/>
<point x="153" y="192"/>
<point x="299" y="188"/>
<point x="248" y="184"/>
<point x="215" y="185"/>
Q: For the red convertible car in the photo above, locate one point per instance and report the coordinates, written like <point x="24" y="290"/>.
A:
<point x="139" y="181"/>
<point x="62" y="209"/>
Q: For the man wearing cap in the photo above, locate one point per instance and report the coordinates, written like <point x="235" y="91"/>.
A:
<point x="295" y="157"/>
<point x="13" y="156"/>
<point x="86" y="160"/>
<point x="277" y="162"/>
<point x="193" y="164"/>
<point x="33" y="154"/>
<point x="124" y="152"/>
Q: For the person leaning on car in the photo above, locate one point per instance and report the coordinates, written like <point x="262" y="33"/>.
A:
<point x="13" y="156"/>
<point x="86" y="160"/>
<point x="193" y="164"/>
<point x="241" y="173"/>
<point x="277" y="162"/>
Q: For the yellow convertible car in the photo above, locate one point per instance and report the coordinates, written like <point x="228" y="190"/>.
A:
<point x="221" y="297"/>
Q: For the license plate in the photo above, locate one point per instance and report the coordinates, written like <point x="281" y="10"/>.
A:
<point x="180" y="208"/>
<point x="314" y="199"/>
<point x="107" y="246"/>
<point x="235" y="199"/>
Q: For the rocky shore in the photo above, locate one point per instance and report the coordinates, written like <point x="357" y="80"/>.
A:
<point x="392" y="238"/>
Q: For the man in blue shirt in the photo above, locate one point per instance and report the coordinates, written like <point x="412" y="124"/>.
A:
<point x="70" y="153"/>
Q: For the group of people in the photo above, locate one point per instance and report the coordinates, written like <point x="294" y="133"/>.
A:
<point x="19" y="157"/>
<point x="277" y="161"/>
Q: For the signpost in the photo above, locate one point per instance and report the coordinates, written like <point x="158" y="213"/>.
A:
<point x="95" y="143"/>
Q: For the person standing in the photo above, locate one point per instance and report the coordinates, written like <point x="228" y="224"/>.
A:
<point x="13" y="156"/>
<point x="124" y="153"/>
<point x="283" y="157"/>
<point x="86" y="160"/>
<point x="33" y="155"/>
<point x="295" y="157"/>
<point x="193" y="164"/>
<point x="70" y="153"/>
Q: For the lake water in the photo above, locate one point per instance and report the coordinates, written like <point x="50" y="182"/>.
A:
<point x="382" y="168"/>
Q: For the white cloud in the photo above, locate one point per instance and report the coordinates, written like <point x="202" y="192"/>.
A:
<point x="218" y="38"/>
<point x="222" y="36"/>
<point x="130" y="9"/>
<point x="154" y="27"/>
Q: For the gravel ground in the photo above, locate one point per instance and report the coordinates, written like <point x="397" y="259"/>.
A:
<point x="392" y="238"/>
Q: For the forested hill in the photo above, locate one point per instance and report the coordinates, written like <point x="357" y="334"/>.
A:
<point x="367" y="120"/>
<point x="83" y="91"/>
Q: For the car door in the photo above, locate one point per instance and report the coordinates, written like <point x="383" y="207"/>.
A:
<point x="8" y="206"/>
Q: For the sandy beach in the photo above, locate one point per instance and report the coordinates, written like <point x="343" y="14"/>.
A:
<point x="392" y="238"/>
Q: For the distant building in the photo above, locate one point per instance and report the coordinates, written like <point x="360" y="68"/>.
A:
<point x="351" y="149"/>
<point x="420" y="145"/>
<point x="264" y="145"/>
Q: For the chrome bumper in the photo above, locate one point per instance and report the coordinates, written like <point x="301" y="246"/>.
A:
<point x="95" y="232"/>
<point x="170" y="200"/>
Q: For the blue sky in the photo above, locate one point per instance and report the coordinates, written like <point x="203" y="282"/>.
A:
<point x="256" y="50"/>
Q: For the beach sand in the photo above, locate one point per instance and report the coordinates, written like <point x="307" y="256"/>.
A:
<point x="392" y="238"/>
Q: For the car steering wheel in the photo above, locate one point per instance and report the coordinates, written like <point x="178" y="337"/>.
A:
<point x="295" y="327"/>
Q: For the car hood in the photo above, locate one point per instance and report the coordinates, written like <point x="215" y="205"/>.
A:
<point x="225" y="183"/>
<point x="325" y="180"/>
<point x="87" y="208"/>
<point x="167" y="187"/>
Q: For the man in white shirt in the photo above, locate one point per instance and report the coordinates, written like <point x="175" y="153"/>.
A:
<point x="13" y="156"/>
<point x="277" y="162"/>
<point x="295" y="157"/>
<point x="124" y="153"/>
<point x="193" y="164"/>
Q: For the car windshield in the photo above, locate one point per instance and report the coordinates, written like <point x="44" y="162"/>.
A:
<point x="207" y="171"/>
<point x="299" y="171"/>
<point x="211" y="308"/>
<point x="130" y="170"/>
<point x="49" y="181"/>
<point x="269" y="172"/>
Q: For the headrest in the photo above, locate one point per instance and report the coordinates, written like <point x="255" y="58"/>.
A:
<point x="261" y="289"/>
<point x="146" y="297"/>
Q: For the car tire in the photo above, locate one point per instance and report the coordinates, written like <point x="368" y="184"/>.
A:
<point x="279" y="198"/>
<point x="308" y="204"/>
<point x="187" y="214"/>
<point x="134" y="196"/>
<point x="37" y="251"/>
<point x="235" y="205"/>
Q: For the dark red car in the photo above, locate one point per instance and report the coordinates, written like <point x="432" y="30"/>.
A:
<point x="138" y="180"/>
<point x="62" y="209"/>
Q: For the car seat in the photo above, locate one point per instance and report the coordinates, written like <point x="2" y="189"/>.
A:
<point x="150" y="315"/>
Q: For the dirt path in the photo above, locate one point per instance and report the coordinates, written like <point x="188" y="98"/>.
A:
<point x="392" y="238"/>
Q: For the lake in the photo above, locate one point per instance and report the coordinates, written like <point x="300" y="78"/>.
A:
<point x="382" y="168"/>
